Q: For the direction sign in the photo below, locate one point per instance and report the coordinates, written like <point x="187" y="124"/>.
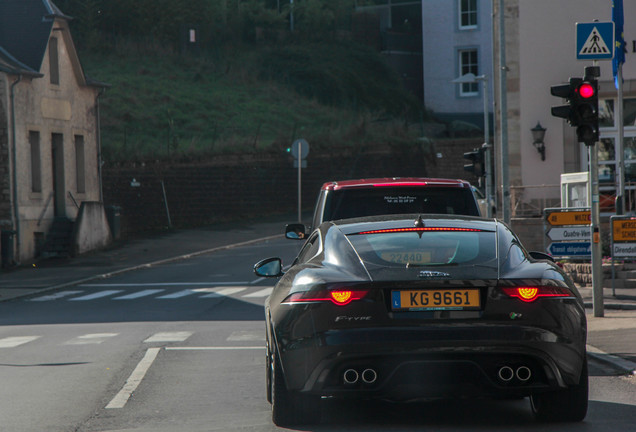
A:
<point x="595" y="41"/>
<point x="624" y="230"/>
<point x="561" y="217"/>
<point x="570" y="249"/>
<point x="569" y="233"/>
<point x="624" y="250"/>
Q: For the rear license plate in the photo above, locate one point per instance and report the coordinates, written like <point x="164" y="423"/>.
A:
<point x="436" y="299"/>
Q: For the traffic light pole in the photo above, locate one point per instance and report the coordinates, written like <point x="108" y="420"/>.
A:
<point x="597" y="267"/>
<point x="581" y="112"/>
<point x="597" y="254"/>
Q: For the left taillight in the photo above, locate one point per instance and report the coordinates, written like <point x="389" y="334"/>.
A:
<point x="531" y="293"/>
<point x="339" y="297"/>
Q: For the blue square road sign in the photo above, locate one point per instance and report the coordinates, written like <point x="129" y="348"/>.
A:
<point x="595" y="41"/>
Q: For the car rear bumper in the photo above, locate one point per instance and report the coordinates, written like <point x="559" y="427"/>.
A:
<point x="420" y="363"/>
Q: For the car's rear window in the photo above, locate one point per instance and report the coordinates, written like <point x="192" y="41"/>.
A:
<point x="349" y="203"/>
<point x="436" y="247"/>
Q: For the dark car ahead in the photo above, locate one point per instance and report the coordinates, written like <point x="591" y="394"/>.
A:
<point x="392" y="195"/>
<point x="413" y="306"/>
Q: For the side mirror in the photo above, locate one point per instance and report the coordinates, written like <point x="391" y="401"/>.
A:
<point x="270" y="267"/>
<point x="541" y="256"/>
<point x="295" y="231"/>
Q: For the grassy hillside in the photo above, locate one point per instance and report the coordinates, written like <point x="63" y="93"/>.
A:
<point x="249" y="99"/>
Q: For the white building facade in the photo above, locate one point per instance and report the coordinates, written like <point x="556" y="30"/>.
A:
<point x="540" y="51"/>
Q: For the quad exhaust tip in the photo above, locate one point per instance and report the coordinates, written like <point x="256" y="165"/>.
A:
<point x="523" y="373"/>
<point x="352" y="376"/>
<point x="369" y="376"/>
<point x="507" y="374"/>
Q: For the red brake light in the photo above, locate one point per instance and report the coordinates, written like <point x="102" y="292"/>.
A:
<point x="418" y="229"/>
<point x="339" y="297"/>
<point x="530" y="294"/>
<point x="400" y="184"/>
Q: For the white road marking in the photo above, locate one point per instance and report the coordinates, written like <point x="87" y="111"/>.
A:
<point x="177" y="294"/>
<point x="246" y="336"/>
<point x="14" y="341"/>
<point x="89" y="339"/>
<point x="139" y="294"/>
<point x="214" y="348"/>
<point x="161" y="284"/>
<point x="262" y="293"/>
<point x="169" y="337"/>
<point x="225" y="292"/>
<point x="96" y="295"/>
<point x="119" y="401"/>
<point x="56" y="296"/>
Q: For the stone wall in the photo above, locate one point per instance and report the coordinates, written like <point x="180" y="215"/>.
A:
<point x="239" y="187"/>
<point x="531" y="233"/>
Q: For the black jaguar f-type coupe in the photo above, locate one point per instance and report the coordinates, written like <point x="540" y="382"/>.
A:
<point x="414" y="307"/>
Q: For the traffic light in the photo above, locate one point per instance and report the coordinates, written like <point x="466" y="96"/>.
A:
<point x="581" y="110"/>
<point x="587" y="111"/>
<point x="569" y="93"/>
<point x="476" y="165"/>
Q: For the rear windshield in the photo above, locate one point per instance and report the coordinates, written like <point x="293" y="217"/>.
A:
<point x="426" y="248"/>
<point x="350" y="203"/>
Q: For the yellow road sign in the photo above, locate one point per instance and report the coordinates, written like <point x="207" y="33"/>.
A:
<point x="624" y="230"/>
<point x="579" y="217"/>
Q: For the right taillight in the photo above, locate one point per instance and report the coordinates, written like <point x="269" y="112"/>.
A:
<point x="339" y="297"/>
<point x="531" y="293"/>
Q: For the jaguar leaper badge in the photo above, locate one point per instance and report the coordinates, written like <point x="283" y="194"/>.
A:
<point x="427" y="274"/>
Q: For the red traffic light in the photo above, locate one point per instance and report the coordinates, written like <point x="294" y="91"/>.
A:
<point x="586" y="90"/>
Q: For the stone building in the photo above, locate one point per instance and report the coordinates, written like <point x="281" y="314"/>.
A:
<point x="49" y="137"/>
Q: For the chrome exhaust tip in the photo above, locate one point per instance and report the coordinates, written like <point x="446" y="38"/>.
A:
<point x="351" y="376"/>
<point x="506" y="373"/>
<point x="369" y="376"/>
<point x="523" y="373"/>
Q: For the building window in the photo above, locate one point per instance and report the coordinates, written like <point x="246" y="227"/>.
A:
<point x="54" y="66"/>
<point x="468" y="63"/>
<point x="80" y="171"/>
<point x="467" y="14"/>
<point x="36" y="162"/>
<point x="607" y="155"/>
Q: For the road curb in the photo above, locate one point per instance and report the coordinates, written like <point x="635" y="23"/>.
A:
<point x="626" y="366"/>
<point x="139" y="266"/>
<point x="613" y="306"/>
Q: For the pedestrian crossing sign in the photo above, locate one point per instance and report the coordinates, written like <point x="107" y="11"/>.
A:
<point x="595" y="41"/>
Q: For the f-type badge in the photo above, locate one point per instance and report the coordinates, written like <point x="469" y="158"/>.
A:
<point x="427" y="274"/>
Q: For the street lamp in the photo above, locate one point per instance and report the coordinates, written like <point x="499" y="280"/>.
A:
<point x="538" y="133"/>
<point x="470" y="78"/>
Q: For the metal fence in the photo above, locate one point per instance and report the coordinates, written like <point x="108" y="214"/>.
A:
<point x="529" y="201"/>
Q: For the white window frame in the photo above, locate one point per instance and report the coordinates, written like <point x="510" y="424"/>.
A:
<point x="468" y="89"/>
<point x="464" y="8"/>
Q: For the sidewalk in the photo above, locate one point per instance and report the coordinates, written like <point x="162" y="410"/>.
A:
<point x="129" y="255"/>
<point x="611" y="338"/>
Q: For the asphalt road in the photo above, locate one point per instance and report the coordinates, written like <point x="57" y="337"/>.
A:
<point x="179" y="347"/>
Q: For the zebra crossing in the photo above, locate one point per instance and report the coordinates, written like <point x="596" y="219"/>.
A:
<point x="123" y="292"/>
<point x="156" y="338"/>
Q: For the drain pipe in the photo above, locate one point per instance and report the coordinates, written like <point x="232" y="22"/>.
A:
<point x="16" y="213"/>
<point x="99" y="145"/>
